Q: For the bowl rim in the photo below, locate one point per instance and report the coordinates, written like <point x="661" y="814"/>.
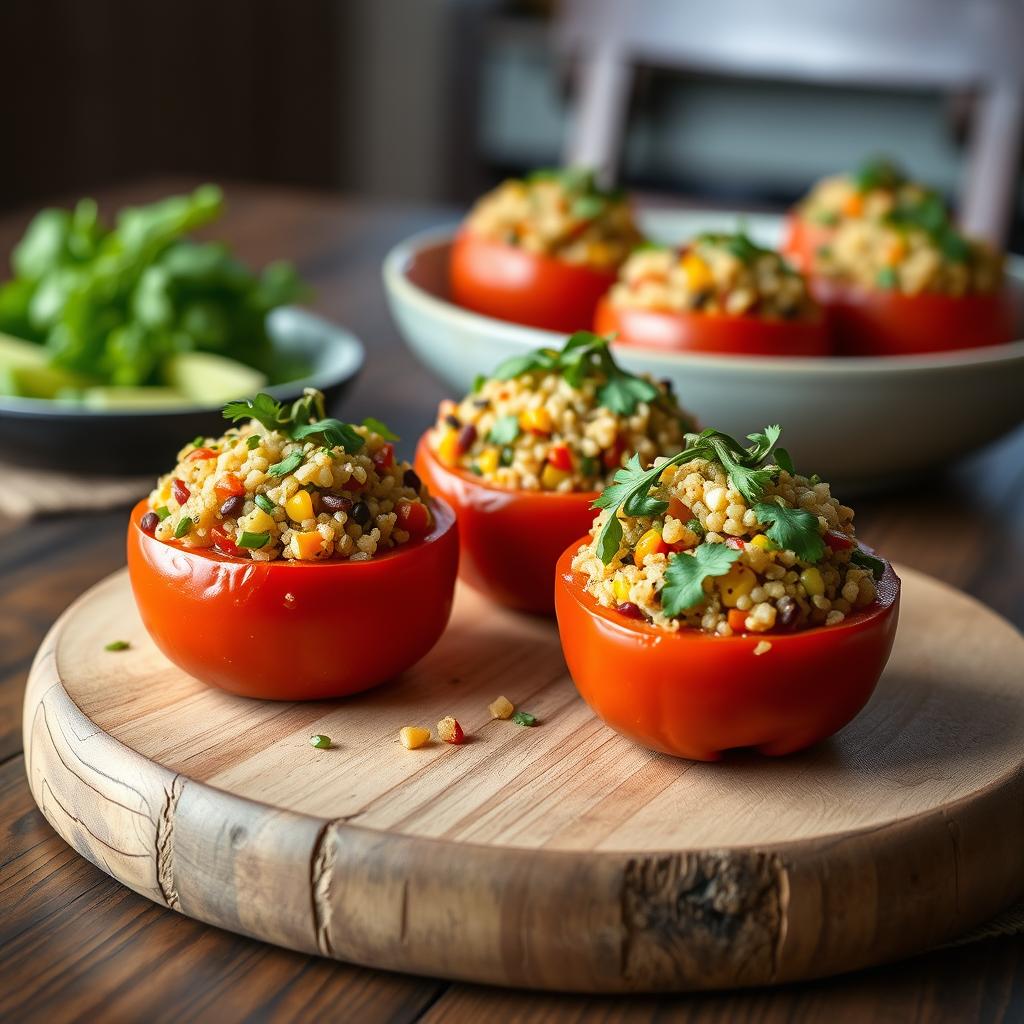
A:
<point x="399" y="286"/>
<point x="346" y="345"/>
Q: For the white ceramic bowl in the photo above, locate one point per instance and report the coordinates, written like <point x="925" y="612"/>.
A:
<point x="855" y="421"/>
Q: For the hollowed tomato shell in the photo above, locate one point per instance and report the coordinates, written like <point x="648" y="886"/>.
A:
<point x="510" y="540"/>
<point x="698" y="696"/>
<point x="294" y="630"/>
<point x="717" y="333"/>
<point x="509" y="283"/>
<point x="884" y="322"/>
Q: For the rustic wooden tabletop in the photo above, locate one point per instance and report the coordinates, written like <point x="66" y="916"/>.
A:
<point x="75" y="945"/>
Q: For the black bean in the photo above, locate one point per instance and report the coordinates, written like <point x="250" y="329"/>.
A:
<point x="335" y="502"/>
<point x="453" y="421"/>
<point x="149" y="522"/>
<point x="411" y="479"/>
<point x="630" y="610"/>
<point x="361" y="513"/>
<point x="467" y="435"/>
<point x="786" y="612"/>
<point x="233" y="505"/>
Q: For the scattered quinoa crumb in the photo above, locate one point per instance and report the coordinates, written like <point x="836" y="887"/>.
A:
<point x="763" y="647"/>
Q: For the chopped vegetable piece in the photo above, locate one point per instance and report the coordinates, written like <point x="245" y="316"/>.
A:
<point x="501" y="708"/>
<point x="200" y="454"/>
<point x="162" y="512"/>
<point x="184" y="525"/>
<point x="253" y="441"/>
<point x="263" y="502"/>
<point x="287" y="465"/>
<point x="320" y="741"/>
<point x="524" y="718"/>
<point x="149" y="522"/>
<point x="413" y="517"/>
<point x="413" y="736"/>
<point x="117" y="645"/>
<point x="380" y="428"/>
<point x="252" y="540"/>
<point x="449" y="731"/>
<point x="223" y="542"/>
<point x="299" y="506"/>
<point x="180" y="491"/>
<point x="228" y="486"/>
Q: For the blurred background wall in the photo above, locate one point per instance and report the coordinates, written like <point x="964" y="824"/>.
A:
<point x="411" y="99"/>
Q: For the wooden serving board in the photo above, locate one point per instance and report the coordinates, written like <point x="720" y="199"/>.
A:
<point x="561" y="856"/>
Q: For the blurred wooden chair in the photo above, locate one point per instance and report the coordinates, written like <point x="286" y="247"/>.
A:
<point x="954" y="45"/>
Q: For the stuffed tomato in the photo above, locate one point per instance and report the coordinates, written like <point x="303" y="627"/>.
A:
<point x="722" y="601"/>
<point x="719" y="294"/>
<point x="523" y="457"/>
<point x="542" y="251"/>
<point x="294" y="557"/>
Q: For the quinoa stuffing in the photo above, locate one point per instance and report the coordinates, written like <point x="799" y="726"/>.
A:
<point x="559" y="213"/>
<point x="727" y="540"/>
<point x="290" y="483"/>
<point x="558" y="421"/>
<point x="715" y="273"/>
<point x="893" y="234"/>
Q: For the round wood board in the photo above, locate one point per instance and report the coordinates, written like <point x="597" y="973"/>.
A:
<point x="561" y="856"/>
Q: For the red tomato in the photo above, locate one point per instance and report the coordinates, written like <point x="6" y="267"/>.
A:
<point x="180" y="491"/>
<point x="224" y="542"/>
<point x="802" y="239"/>
<point x="710" y="332"/>
<point x="838" y="541"/>
<point x="228" y="486"/>
<point x="200" y="453"/>
<point x="510" y="540"/>
<point x="559" y="457"/>
<point x="413" y="517"/>
<point x="272" y="629"/>
<point x="698" y="696"/>
<point x="886" y="322"/>
<point x="509" y="283"/>
<point x="384" y="457"/>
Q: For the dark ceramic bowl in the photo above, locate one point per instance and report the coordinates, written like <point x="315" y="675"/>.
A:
<point x="47" y="435"/>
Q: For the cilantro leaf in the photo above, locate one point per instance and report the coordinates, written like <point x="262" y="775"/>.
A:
<point x="505" y="430"/>
<point x="262" y="408"/>
<point x="793" y="529"/>
<point x="623" y="392"/>
<point x="530" y="362"/>
<point x="380" y="428"/>
<point x="609" y="540"/>
<point x="860" y="557"/>
<point x="287" y="465"/>
<point x="524" y="718"/>
<point x="334" y="432"/>
<point x="626" y="478"/>
<point x="784" y="461"/>
<point x="686" y="572"/>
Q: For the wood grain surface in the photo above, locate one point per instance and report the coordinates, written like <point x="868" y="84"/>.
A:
<point x="75" y="945"/>
<point x="562" y="856"/>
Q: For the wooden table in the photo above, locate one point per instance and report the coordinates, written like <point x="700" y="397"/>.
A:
<point x="76" y="945"/>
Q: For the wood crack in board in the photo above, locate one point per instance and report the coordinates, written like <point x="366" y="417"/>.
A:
<point x="165" y="843"/>
<point x="320" y="872"/>
<point x="689" y="914"/>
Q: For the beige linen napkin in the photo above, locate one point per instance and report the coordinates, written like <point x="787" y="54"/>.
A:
<point x="28" y="493"/>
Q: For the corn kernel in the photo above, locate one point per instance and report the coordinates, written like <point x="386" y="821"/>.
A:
<point x="649" y="544"/>
<point x="501" y="708"/>
<point x="259" y="521"/>
<point x="620" y="588"/>
<point x="448" y="447"/>
<point x="299" y="506"/>
<point x="537" y="421"/>
<point x="698" y="274"/>
<point x="812" y="581"/>
<point x="414" y="736"/>
<point x="487" y="462"/>
<point x="550" y="477"/>
<point x="764" y="542"/>
<point x="449" y="730"/>
<point x="738" y="582"/>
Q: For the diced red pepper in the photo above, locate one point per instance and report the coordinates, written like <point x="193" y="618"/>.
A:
<point x="838" y="541"/>
<point x="677" y="510"/>
<point x="180" y="491"/>
<point x="737" y="620"/>
<point x="229" y="486"/>
<point x="612" y="457"/>
<point x="224" y="543"/>
<point x="198" y="454"/>
<point x="560" y="457"/>
<point x="384" y="457"/>
<point x="413" y="517"/>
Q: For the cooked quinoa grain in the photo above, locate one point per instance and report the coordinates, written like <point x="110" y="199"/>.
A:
<point x="540" y="431"/>
<point x="256" y="492"/>
<point x="754" y="584"/>
<point x="561" y="214"/>
<point x="714" y="274"/>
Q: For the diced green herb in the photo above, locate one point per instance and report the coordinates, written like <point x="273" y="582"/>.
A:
<point x="478" y="382"/>
<point x="878" y="172"/>
<point x="587" y="207"/>
<point x="686" y="572"/>
<point x="334" y="432"/>
<point x="814" y="479"/>
<point x="253" y="441"/>
<point x="252" y="540"/>
<point x="162" y="512"/>
<point x="286" y="465"/>
<point x="886" y="278"/>
<point x="184" y="525"/>
<point x="263" y="502"/>
<point x="380" y="428"/>
<point x="524" y="718"/>
<point x="476" y="470"/>
<point x="117" y="645"/>
<point x="860" y="557"/>
<point x="588" y="466"/>
<point x="320" y="741"/>
<point x="507" y="457"/>
<point x="505" y="430"/>
<point x="197" y="442"/>
<point x="793" y="529"/>
<point x="696" y="527"/>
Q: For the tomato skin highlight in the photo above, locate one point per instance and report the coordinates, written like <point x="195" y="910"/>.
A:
<point x="721" y="334"/>
<point x="510" y="283"/>
<point x="510" y="540"/>
<point x="698" y="696"/>
<point x="272" y="629"/>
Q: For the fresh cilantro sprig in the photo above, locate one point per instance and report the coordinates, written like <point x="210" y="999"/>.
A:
<point x="303" y="420"/>
<point x="793" y="529"/>
<point x="878" y="172"/>
<point x="587" y="199"/>
<point x="585" y="355"/>
<point x="686" y="572"/>
<point x="748" y="467"/>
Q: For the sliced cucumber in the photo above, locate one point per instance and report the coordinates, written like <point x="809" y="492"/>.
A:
<point x="15" y="352"/>
<point x="209" y="379"/>
<point x="116" y="399"/>
<point x="39" y="381"/>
